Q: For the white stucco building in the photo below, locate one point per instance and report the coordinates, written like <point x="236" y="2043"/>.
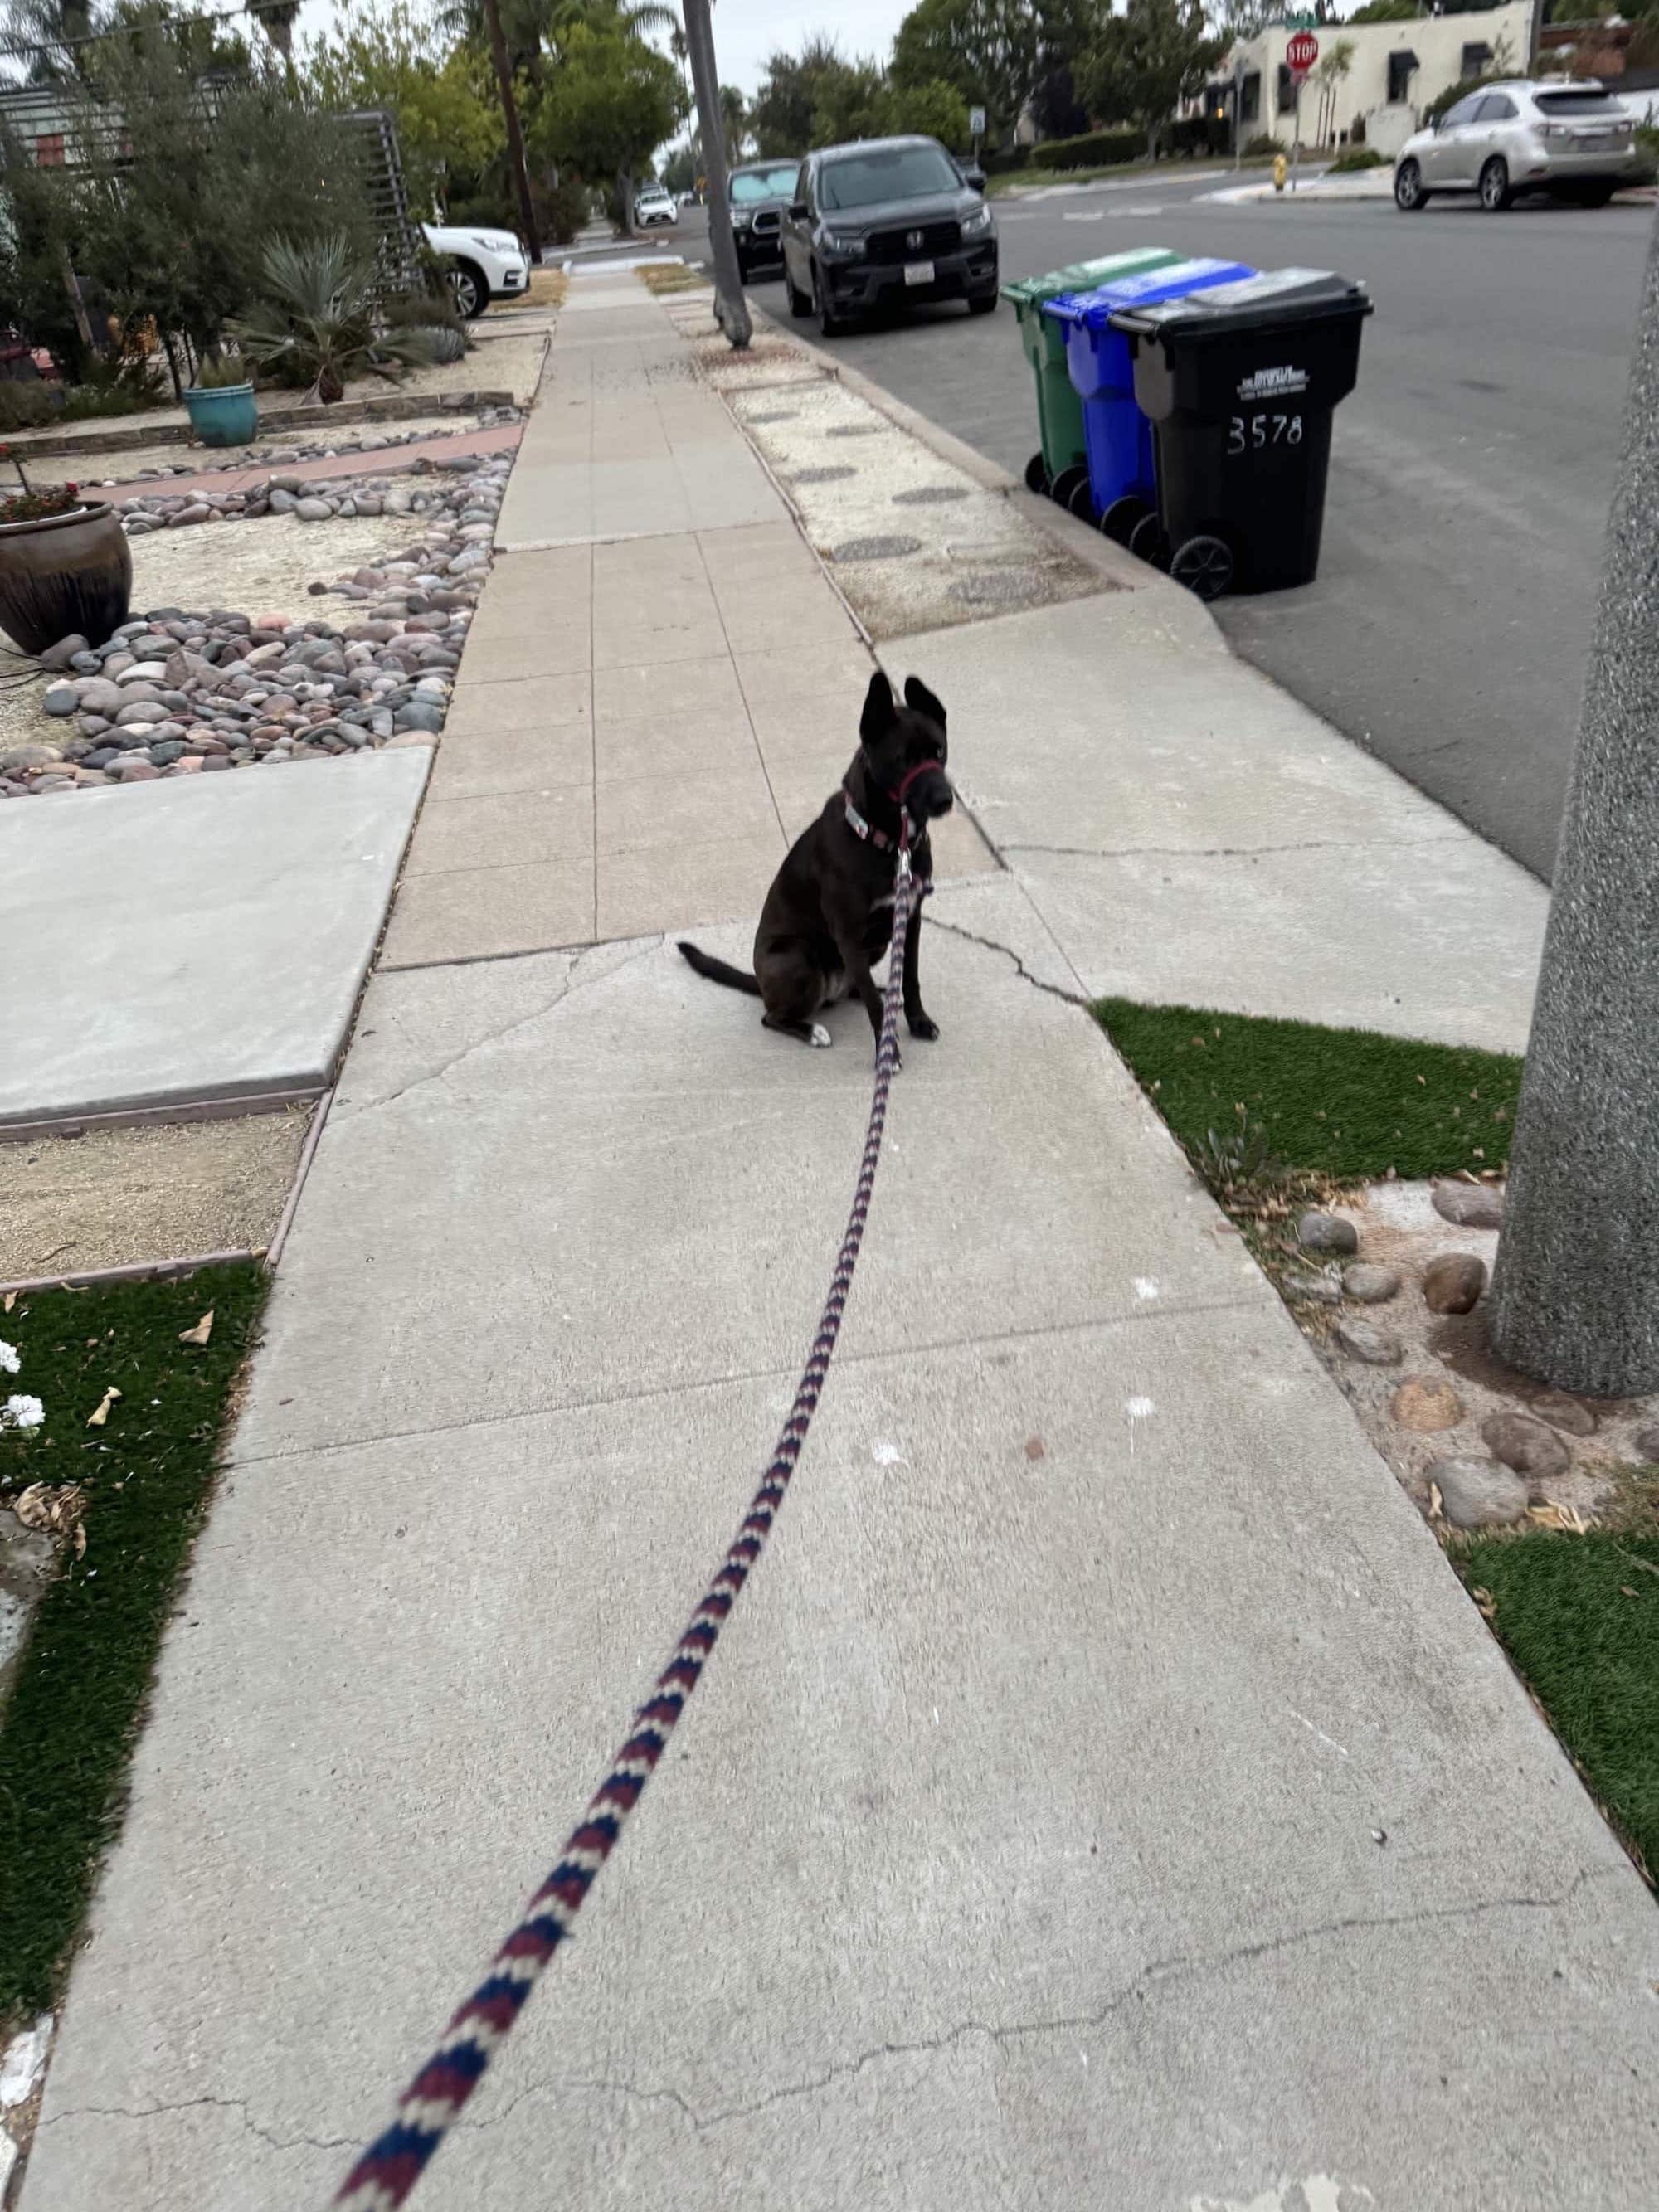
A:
<point x="1396" y="70"/>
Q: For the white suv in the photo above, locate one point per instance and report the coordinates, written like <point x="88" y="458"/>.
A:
<point x="1568" y="137"/>
<point x="484" y="264"/>
<point x="652" y="204"/>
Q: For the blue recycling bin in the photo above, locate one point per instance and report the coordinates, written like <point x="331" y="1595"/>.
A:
<point x="1117" y="437"/>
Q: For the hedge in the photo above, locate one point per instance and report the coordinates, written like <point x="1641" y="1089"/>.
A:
<point x="1095" y="150"/>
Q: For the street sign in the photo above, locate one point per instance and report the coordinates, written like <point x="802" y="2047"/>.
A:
<point x="1301" y="54"/>
<point x="976" y="123"/>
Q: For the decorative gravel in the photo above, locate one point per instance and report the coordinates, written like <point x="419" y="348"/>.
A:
<point x="186" y="691"/>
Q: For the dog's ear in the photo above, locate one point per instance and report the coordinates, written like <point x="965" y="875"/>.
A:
<point x="879" y="712"/>
<point x="918" y="697"/>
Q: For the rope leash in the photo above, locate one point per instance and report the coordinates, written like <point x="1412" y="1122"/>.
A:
<point x="386" y="2173"/>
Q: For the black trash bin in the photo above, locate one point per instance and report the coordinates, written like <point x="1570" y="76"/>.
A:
<point x="1240" y="383"/>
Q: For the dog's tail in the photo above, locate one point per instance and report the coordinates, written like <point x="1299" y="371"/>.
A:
<point x="718" y="971"/>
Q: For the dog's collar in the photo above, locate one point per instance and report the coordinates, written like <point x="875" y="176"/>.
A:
<point x="868" y="830"/>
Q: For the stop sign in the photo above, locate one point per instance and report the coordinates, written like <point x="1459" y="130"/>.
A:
<point x="1301" y="54"/>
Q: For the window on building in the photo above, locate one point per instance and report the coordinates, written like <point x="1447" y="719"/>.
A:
<point x="49" y="150"/>
<point x="1477" y="58"/>
<point x="1286" y="88"/>
<point x="1250" y="101"/>
<point x="1402" y="68"/>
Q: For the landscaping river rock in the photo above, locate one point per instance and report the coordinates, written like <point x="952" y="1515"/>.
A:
<point x="176" y="692"/>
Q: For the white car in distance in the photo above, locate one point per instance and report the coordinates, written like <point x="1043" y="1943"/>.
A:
<point x="484" y="264"/>
<point x="652" y="203"/>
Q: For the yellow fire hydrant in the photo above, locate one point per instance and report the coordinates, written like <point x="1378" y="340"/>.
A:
<point x="1279" y="172"/>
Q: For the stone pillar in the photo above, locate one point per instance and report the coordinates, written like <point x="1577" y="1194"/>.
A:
<point x="1575" y="1297"/>
<point x="731" y="308"/>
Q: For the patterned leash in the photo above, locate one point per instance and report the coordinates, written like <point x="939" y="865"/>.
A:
<point x="388" y="2171"/>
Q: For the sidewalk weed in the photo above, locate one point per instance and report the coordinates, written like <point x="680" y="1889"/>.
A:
<point x="138" y="1482"/>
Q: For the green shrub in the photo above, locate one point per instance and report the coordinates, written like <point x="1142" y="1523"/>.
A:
<point x="564" y="210"/>
<point x="1095" y="150"/>
<point x="214" y="373"/>
<point x="1263" y="142"/>
<point x="24" y="406"/>
<point x="1357" y="157"/>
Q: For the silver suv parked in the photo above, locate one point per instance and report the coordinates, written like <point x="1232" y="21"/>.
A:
<point x="1572" y="139"/>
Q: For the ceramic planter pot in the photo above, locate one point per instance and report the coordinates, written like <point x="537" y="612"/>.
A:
<point x="66" y="574"/>
<point x="222" y="414"/>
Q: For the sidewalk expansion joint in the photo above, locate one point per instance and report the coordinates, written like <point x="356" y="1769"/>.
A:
<point x="1159" y="1972"/>
<point x="1233" y="852"/>
<point x="782" y="1370"/>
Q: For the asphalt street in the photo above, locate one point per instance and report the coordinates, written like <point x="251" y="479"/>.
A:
<point x="1470" y="477"/>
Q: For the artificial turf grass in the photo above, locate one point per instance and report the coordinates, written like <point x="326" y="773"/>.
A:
<point x="68" y="1727"/>
<point x="1347" y="1104"/>
<point x="1579" y="1617"/>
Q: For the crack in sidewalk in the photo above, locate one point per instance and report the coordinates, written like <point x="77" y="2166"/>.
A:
<point x="1077" y="997"/>
<point x="236" y="2104"/>
<point x="1158" y="1971"/>
<point x="573" y="980"/>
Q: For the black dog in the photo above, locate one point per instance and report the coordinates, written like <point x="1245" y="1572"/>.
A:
<point x="828" y="914"/>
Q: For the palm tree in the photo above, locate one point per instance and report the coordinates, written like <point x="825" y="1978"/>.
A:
<point x="734" y="122"/>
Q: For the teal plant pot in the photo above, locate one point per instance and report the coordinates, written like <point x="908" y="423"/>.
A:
<point x="227" y="415"/>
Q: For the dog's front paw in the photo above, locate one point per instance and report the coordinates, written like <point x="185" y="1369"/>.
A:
<point x="923" y="1026"/>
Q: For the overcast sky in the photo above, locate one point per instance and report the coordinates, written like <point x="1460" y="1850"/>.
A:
<point x="747" y="31"/>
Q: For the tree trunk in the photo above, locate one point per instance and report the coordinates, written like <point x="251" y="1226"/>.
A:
<point x="731" y="308"/>
<point x="625" y="202"/>
<point x="1575" y="1297"/>
<point x="514" y="135"/>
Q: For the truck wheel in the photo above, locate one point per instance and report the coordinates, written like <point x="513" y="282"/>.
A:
<point x="1204" y="565"/>
<point x="1495" y="193"/>
<point x="1408" y="192"/>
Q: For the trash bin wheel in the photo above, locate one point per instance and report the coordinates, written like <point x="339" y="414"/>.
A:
<point x="1082" y="503"/>
<point x="1037" y="475"/>
<point x="1147" y="542"/>
<point x="1120" y="517"/>
<point x="1204" y="565"/>
<point x="1066" y="482"/>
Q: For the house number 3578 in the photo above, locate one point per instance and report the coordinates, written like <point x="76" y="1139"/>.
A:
<point x="1245" y="432"/>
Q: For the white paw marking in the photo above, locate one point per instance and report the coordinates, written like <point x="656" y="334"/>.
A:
<point x="1145" y="1288"/>
<point x="1139" y="1409"/>
<point x="886" y="1455"/>
<point x="821" y="1036"/>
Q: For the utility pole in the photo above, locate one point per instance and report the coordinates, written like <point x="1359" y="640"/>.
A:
<point x="1575" y="1295"/>
<point x="514" y="135"/>
<point x="731" y="308"/>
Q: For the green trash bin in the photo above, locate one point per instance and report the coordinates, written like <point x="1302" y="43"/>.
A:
<point x="1062" y="461"/>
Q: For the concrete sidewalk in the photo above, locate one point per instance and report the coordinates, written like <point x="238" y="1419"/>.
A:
<point x="1105" y="1795"/>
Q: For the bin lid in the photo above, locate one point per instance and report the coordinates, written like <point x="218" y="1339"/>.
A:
<point x="1265" y="302"/>
<point x="1079" y="275"/>
<point x="1141" y="287"/>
